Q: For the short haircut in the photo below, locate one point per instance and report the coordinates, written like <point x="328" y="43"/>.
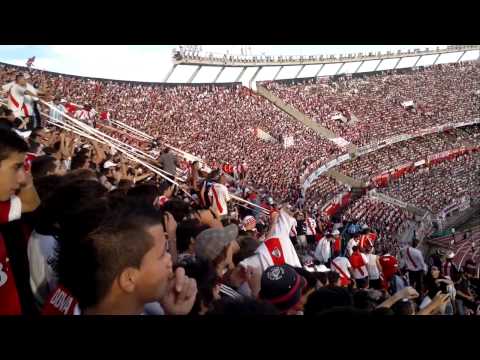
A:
<point x="186" y="231"/>
<point x="178" y="208"/>
<point x="327" y="298"/>
<point x="18" y="76"/>
<point x="42" y="165"/>
<point x="79" y="174"/>
<point x="248" y="245"/>
<point x="332" y="277"/>
<point x="11" y="142"/>
<point x="78" y="161"/>
<point x="47" y="185"/>
<point x="144" y="193"/>
<point x="307" y="275"/>
<point x="119" y="242"/>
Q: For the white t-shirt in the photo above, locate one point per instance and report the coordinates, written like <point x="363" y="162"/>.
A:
<point x="40" y="249"/>
<point x="343" y="264"/>
<point x="351" y="243"/>
<point x="373" y="271"/>
<point x="323" y="250"/>
<point x="219" y="197"/>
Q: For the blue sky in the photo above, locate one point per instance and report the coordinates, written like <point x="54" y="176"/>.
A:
<point x="152" y="62"/>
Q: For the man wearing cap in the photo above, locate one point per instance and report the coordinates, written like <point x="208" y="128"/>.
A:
<point x="282" y="287"/>
<point x="218" y="245"/>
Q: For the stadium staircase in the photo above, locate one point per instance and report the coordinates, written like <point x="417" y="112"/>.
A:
<point x="290" y="110"/>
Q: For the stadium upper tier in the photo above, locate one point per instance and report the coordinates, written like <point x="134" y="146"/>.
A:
<point x="362" y="108"/>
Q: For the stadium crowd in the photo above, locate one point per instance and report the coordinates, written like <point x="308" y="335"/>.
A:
<point x="214" y="122"/>
<point x="389" y="157"/>
<point x="371" y="104"/>
<point x="145" y="246"/>
<point x="321" y="191"/>
<point x="435" y="187"/>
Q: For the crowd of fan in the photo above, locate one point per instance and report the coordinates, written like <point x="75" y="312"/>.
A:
<point x="144" y="248"/>
<point x="372" y="103"/>
<point x="321" y="191"/>
<point x="147" y="247"/>
<point x="389" y="157"/>
<point x="388" y="220"/>
<point x="213" y="122"/>
<point x="436" y="187"/>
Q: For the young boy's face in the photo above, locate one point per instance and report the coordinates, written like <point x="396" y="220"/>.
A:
<point x="12" y="175"/>
<point x="156" y="267"/>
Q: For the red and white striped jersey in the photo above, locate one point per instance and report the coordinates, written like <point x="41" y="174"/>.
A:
<point x="16" y="98"/>
<point x="219" y="197"/>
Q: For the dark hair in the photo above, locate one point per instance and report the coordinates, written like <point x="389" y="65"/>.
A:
<point x="46" y="185"/>
<point x="403" y="308"/>
<point x="79" y="174"/>
<point x="244" y="307"/>
<point x="67" y="199"/>
<point x="327" y="298"/>
<point x="354" y="248"/>
<point x="144" y="193"/>
<point x="178" y="208"/>
<point x="18" y="76"/>
<point x="186" y="231"/>
<point x="42" y="165"/>
<point x="248" y="245"/>
<point x="163" y="186"/>
<point x="78" y="161"/>
<point x="322" y="277"/>
<point x="311" y="279"/>
<point x="333" y="277"/>
<point x="362" y="300"/>
<point x="125" y="184"/>
<point x="11" y="142"/>
<point x="119" y="242"/>
<point x="33" y="146"/>
<point x="206" y="276"/>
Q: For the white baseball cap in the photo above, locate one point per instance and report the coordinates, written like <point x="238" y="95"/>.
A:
<point x="109" y="164"/>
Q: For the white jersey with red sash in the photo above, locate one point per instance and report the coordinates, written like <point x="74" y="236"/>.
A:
<point x="278" y="249"/>
<point x="61" y="302"/>
<point x="341" y="266"/>
<point x="219" y="198"/>
<point x="16" y="99"/>
<point x="414" y="259"/>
